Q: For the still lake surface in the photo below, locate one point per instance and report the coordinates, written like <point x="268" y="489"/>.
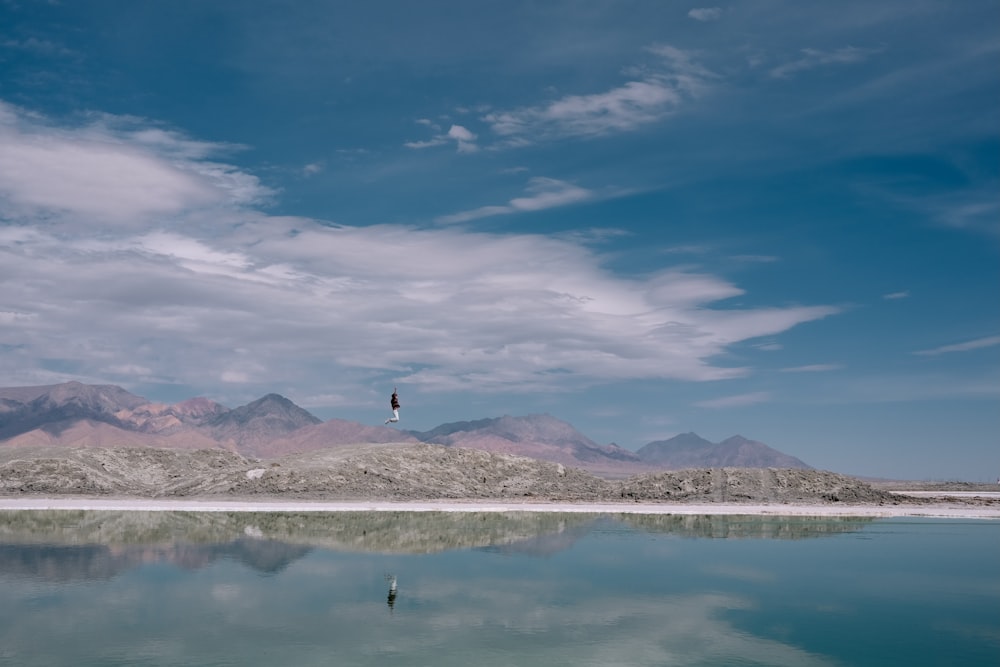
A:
<point x="453" y="588"/>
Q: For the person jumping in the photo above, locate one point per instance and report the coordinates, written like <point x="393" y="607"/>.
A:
<point x="394" y="402"/>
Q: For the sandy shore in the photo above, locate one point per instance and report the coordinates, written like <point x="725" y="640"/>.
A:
<point x="938" y="510"/>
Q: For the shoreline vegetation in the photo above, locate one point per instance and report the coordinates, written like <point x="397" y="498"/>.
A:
<point x="433" y="478"/>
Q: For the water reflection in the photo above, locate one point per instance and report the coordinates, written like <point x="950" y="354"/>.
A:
<point x="390" y="532"/>
<point x="111" y="588"/>
<point x="391" y="598"/>
<point x="745" y="527"/>
<point x="81" y="545"/>
<point x="100" y="561"/>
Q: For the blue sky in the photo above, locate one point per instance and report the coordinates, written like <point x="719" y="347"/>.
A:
<point x="777" y="219"/>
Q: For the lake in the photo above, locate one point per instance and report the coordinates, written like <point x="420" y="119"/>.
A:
<point x="107" y="588"/>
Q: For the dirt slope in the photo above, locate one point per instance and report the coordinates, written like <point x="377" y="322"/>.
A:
<point x="399" y="471"/>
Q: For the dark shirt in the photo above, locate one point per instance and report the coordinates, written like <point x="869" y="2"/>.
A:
<point x="394" y="402"/>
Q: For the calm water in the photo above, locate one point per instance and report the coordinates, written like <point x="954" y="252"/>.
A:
<point x="166" y="588"/>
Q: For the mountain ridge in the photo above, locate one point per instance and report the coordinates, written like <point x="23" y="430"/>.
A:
<point x="689" y="450"/>
<point x="80" y="415"/>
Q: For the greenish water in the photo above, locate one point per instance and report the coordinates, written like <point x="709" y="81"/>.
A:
<point x="483" y="589"/>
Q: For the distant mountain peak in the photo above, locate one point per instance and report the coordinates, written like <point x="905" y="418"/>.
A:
<point x="198" y="404"/>
<point x="271" y="398"/>
<point x="256" y="423"/>
<point x="515" y="429"/>
<point x="540" y="436"/>
<point x="271" y="405"/>
<point x="689" y="450"/>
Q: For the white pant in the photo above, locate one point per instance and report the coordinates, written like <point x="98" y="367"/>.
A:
<point x="394" y="417"/>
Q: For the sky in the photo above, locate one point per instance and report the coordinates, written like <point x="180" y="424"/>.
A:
<point x="773" y="219"/>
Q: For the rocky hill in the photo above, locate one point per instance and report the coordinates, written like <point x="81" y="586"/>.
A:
<point x="400" y="471"/>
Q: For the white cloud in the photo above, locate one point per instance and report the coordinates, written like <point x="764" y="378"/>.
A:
<point x="464" y="139"/>
<point x="706" y="13"/>
<point x="200" y="294"/>
<point x="110" y="174"/>
<point x="736" y="401"/>
<point x="544" y="193"/>
<point x="812" y="368"/>
<point x="624" y="108"/>
<point x="654" y="93"/>
<point x="976" y="344"/>
<point x="448" y="309"/>
<point x="430" y="143"/>
<point x="812" y="58"/>
<point x="894" y="296"/>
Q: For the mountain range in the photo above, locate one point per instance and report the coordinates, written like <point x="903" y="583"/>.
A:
<point x="73" y="414"/>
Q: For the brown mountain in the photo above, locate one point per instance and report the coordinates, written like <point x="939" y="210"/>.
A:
<point x="536" y="436"/>
<point x="89" y="433"/>
<point x="78" y="415"/>
<point x="689" y="450"/>
<point x="331" y="433"/>
<point x="55" y="407"/>
<point x="169" y="419"/>
<point x="254" y="425"/>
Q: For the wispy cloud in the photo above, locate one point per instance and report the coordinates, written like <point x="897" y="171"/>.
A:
<point x="756" y="259"/>
<point x="633" y="104"/>
<point x="967" y="346"/>
<point x="656" y="91"/>
<point x="739" y="400"/>
<point x="37" y="46"/>
<point x="543" y="193"/>
<point x="895" y="296"/>
<point x="972" y="206"/>
<point x="975" y="211"/>
<point x="439" y="140"/>
<point x="812" y="368"/>
<point x="706" y="13"/>
<point x="813" y="58"/>
<point x="464" y="139"/>
<point x="649" y="99"/>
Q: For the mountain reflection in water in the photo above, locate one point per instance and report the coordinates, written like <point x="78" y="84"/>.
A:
<point x="92" y="589"/>
<point x="92" y="545"/>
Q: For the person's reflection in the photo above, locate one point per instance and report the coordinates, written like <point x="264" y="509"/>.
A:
<point x="391" y="599"/>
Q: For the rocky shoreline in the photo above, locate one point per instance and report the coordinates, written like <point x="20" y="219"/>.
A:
<point x="405" y="472"/>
